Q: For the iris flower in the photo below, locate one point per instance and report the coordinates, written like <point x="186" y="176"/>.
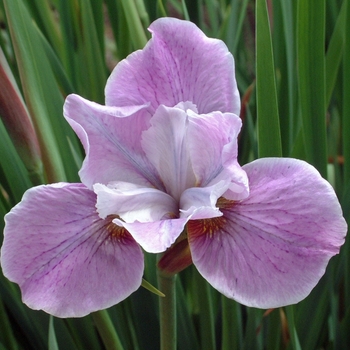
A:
<point x="160" y="172"/>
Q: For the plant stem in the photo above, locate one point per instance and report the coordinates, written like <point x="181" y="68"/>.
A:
<point x="106" y="330"/>
<point x="167" y="311"/>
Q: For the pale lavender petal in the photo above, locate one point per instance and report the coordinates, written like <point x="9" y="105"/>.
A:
<point x="212" y="143"/>
<point x="200" y="202"/>
<point x="155" y="237"/>
<point x="165" y="144"/>
<point x="178" y="64"/>
<point x="134" y="203"/>
<point x="271" y="249"/>
<point x="111" y="138"/>
<point x="66" y="260"/>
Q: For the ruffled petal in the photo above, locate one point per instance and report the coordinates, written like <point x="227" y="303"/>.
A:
<point x="157" y="236"/>
<point x="212" y="143"/>
<point x="271" y="249"/>
<point x="165" y="144"/>
<point x="131" y="202"/>
<point x="178" y="64"/>
<point x="200" y="202"/>
<point x="111" y="138"/>
<point x="66" y="260"/>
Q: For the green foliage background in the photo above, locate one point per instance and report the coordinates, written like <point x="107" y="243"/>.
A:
<point x="293" y="71"/>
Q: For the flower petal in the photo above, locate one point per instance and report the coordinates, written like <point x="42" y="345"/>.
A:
<point x="212" y="143"/>
<point x="67" y="260"/>
<point x="271" y="249"/>
<point x="200" y="202"/>
<point x="111" y="138"/>
<point x="131" y="202"/>
<point x="178" y="64"/>
<point x="165" y="144"/>
<point x="157" y="236"/>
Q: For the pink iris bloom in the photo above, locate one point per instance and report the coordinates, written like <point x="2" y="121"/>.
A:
<point x="161" y="168"/>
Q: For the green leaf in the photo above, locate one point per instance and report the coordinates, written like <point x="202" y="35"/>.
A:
<point x="285" y="56"/>
<point x="16" y="176"/>
<point x="6" y="335"/>
<point x="311" y="74"/>
<point x="232" y="327"/>
<point x="346" y="99"/>
<point x="107" y="331"/>
<point x="138" y="37"/>
<point x="41" y="94"/>
<point x="269" y="138"/>
<point x="52" y="343"/>
<point x="90" y="63"/>
<point x="335" y="52"/>
<point x="292" y="330"/>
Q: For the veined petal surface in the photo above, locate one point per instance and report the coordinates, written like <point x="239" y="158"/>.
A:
<point x="178" y="64"/>
<point x="272" y="248"/>
<point x="66" y="260"/>
<point x="111" y="139"/>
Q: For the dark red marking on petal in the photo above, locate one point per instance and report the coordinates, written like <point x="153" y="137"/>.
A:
<point x="116" y="232"/>
<point x="209" y="227"/>
<point x="224" y="203"/>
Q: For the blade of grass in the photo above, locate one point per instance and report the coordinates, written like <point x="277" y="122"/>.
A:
<point x="184" y="10"/>
<point x="90" y="64"/>
<point x="346" y="99"/>
<point x="96" y="7"/>
<point x="335" y="52"/>
<point x="233" y="32"/>
<point x="186" y="332"/>
<point x="45" y="18"/>
<point x="269" y="139"/>
<point x="206" y="312"/>
<point x="38" y="85"/>
<point x="7" y="336"/>
<point x="311" y="75"/>
<point x="15" y="173"/>
<point x="346" y="149"/>
<point x="310" y="333"/>
<point x="232" y="327"/>
<point x="107" y="331"/>
<point x="138" y="35"/>
<point x="292" y="330"/>
<point x="288" y="117"/>
<point x="52" y="341"/>
<point x="68" y="19"/>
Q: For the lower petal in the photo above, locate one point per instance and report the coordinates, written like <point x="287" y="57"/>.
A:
<point x="66" y="260"/>
<point x="271" y="249"/>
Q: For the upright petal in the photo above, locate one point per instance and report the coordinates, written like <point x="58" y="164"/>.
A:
<point x="111" y="138"/>
<point x="272" y="248"/>
<point x="178" y="64"/>
<point x="212" y="144"/>
<point x="165" y="145"/>
<point x="66" y="260"/>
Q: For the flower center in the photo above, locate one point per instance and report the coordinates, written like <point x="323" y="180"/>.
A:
<point x="115" y="232"/>
<point x="208" y="227"/>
